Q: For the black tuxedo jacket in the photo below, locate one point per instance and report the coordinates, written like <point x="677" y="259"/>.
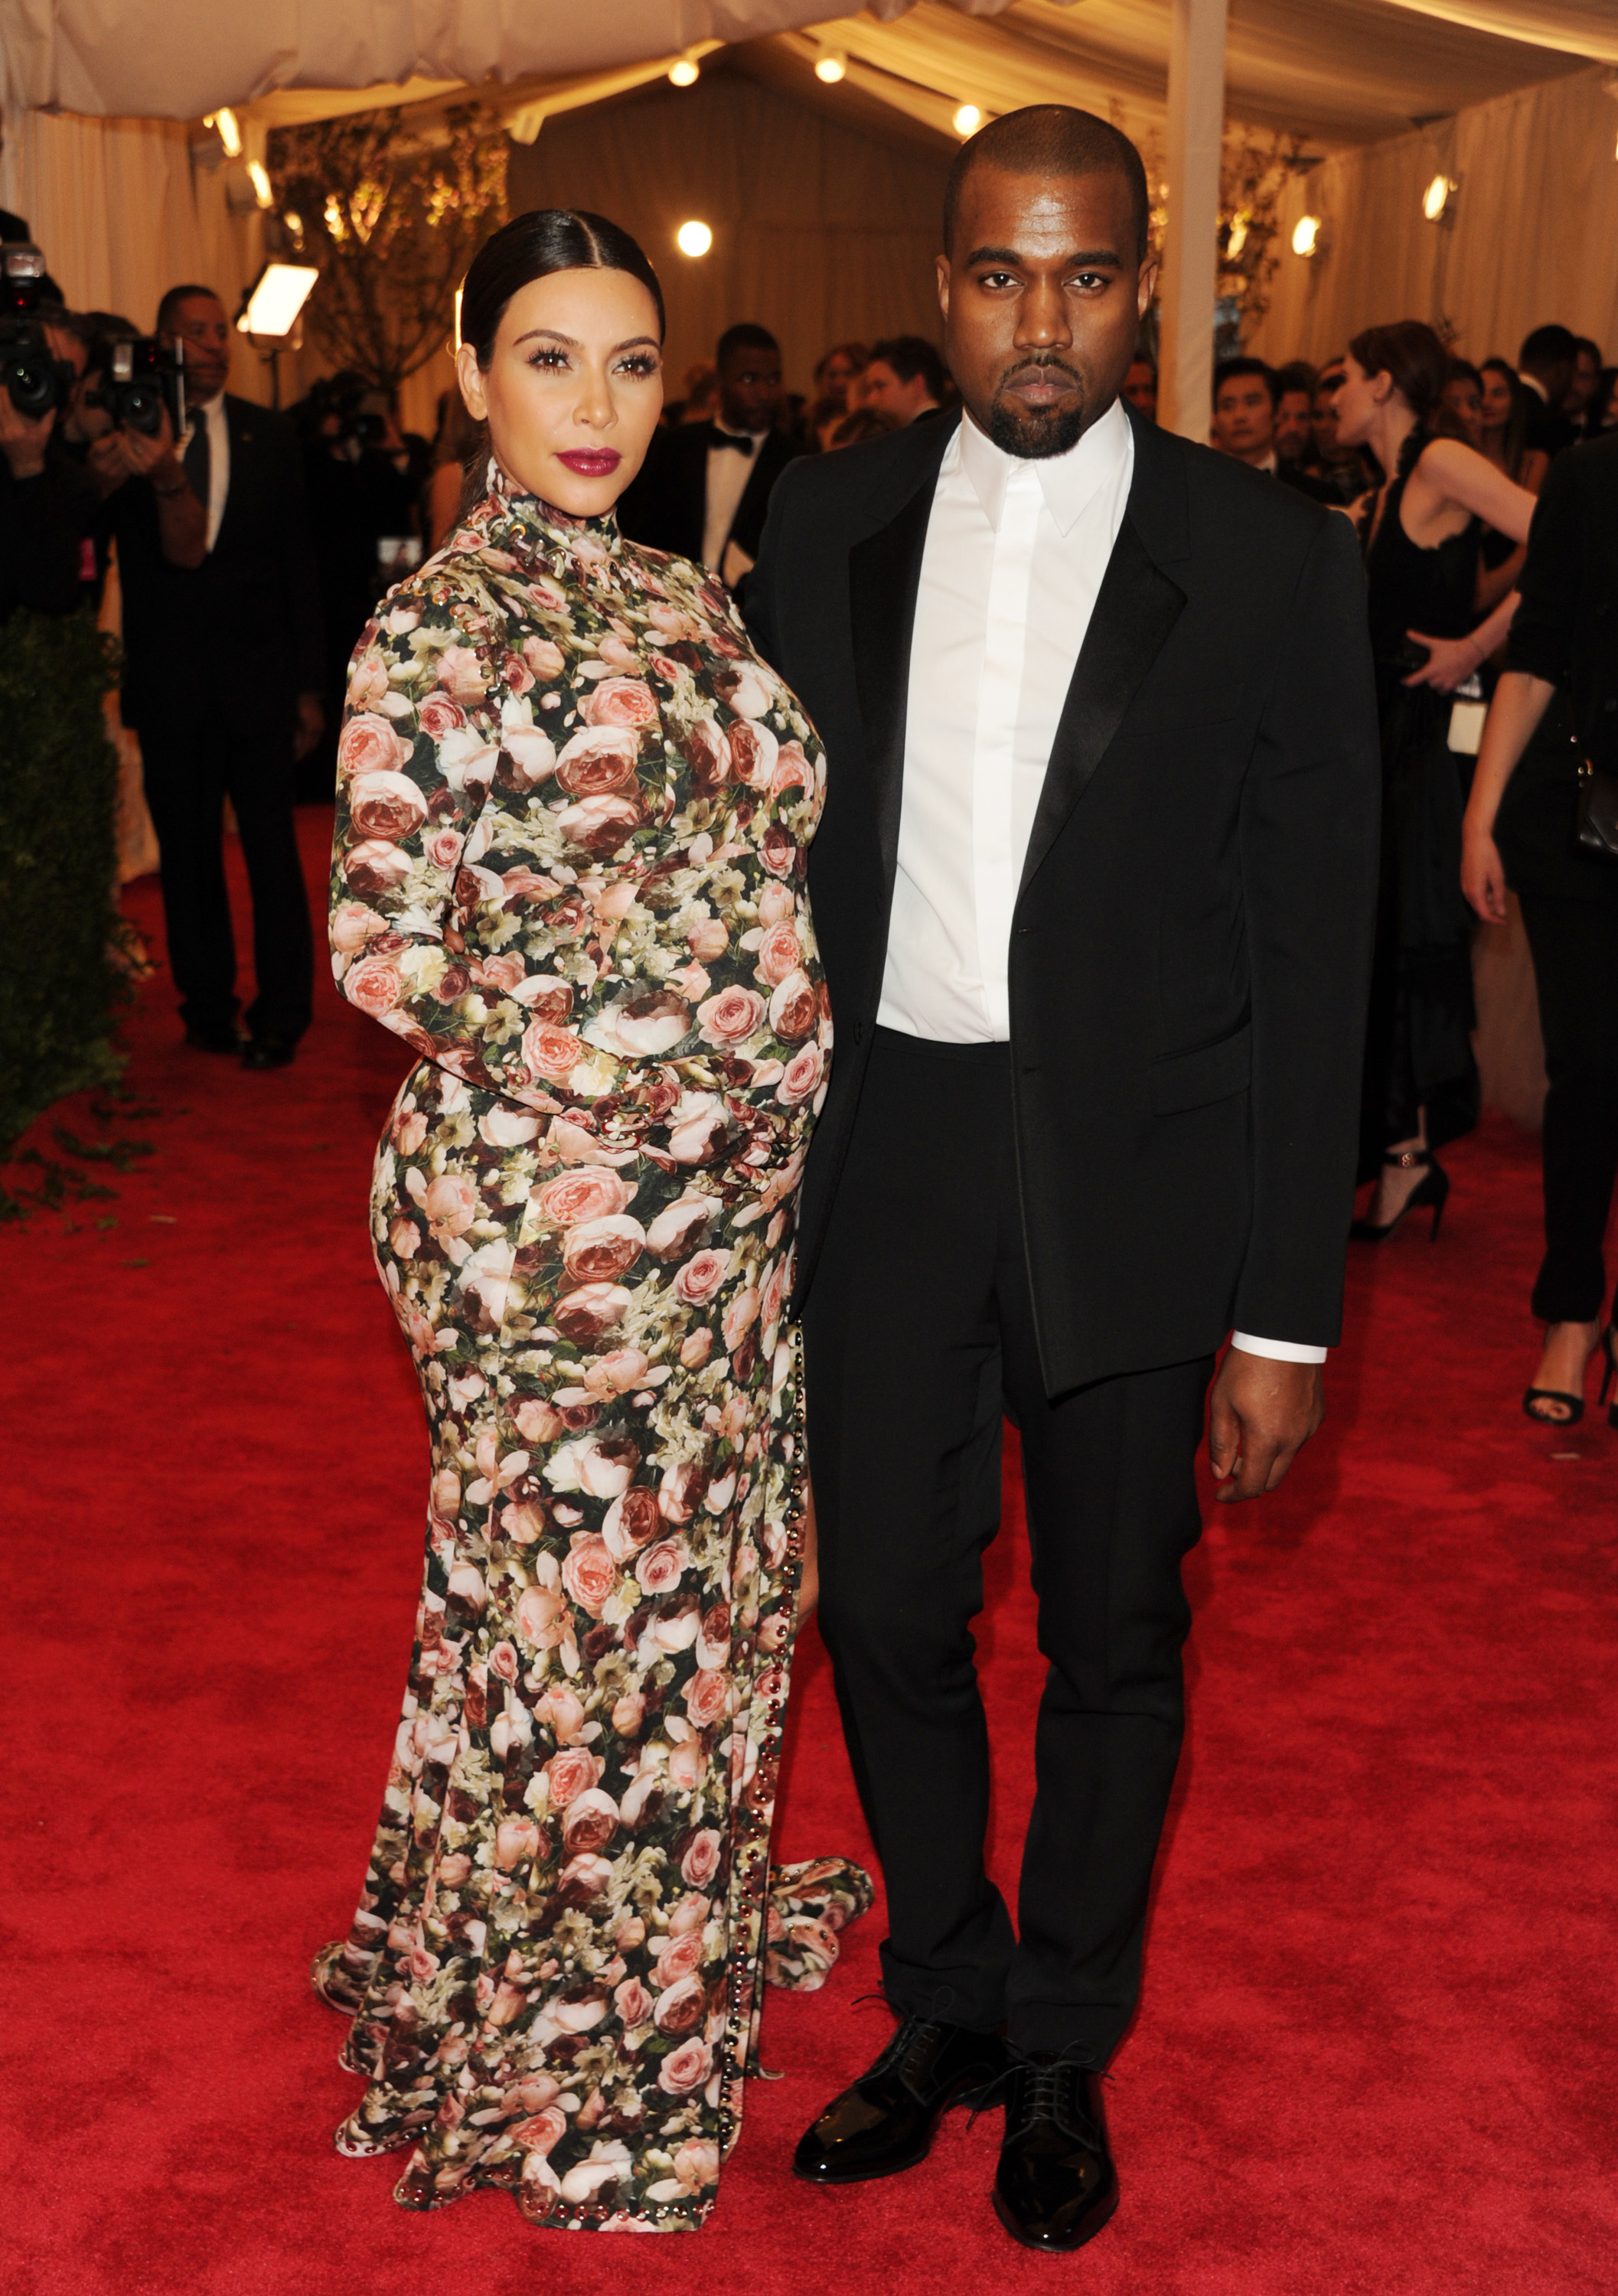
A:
<point x="246" y="622"/>
<point x="665" y="506"/>
<point x="1190" y="949"/>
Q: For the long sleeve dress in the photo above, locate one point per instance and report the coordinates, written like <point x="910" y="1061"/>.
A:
<point x="573" y="820"/>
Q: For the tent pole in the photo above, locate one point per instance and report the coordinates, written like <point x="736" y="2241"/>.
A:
<point x="1196" y="137"/>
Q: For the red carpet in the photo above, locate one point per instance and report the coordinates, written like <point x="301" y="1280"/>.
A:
<point x="1376" y="2053"/>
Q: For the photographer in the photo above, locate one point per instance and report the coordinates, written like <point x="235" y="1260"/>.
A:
<point x="221" y="679"/>
<point x="48" y="505"/>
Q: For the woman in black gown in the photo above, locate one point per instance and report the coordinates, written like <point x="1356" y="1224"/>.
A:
<point x="1421" y="532"/>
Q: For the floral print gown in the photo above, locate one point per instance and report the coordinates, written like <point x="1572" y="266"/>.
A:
<point x="573" y="818"/>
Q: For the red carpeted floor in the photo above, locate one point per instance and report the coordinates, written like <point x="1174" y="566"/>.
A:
<point x="1376" y="2053"/>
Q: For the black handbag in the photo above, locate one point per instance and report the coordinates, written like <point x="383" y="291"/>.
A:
<point x="1598" y="811"/>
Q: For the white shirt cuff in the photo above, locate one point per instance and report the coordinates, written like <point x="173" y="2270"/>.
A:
<point x="1281" y="1350"/>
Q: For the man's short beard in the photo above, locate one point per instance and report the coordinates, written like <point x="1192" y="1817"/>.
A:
<point x="1033" y="433"/>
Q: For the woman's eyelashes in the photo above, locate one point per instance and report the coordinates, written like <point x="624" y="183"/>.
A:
<point x="638" y="364"/>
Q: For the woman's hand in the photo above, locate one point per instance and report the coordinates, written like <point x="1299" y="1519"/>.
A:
<point x="1483" y="873"/>
<point x="1449" y="663"/>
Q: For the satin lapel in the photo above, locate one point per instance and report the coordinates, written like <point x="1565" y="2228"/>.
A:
<point x="884" y="574"/>
<point x="1135" y="609"/>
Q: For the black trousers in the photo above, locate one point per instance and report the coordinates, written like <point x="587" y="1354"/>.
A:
<point x="1575" y="961"/>
<point x="919" y="1335"/>
<point x="192" y="763"/>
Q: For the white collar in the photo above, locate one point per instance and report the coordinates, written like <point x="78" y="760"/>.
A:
<point x="1069" y="482"/>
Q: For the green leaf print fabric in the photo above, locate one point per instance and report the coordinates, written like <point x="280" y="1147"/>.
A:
<point x="573" y="815"/>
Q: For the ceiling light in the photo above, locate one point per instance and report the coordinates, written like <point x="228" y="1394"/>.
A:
<point x="968" y="120"/>
<point x="1237" y="239"/>
<point x="276" y="299"/>
<point x="685" y="71"/>
<point x="225" y="128"/>
<point x="1437" y="200"/>
<point x="693" y="238"/>
<point x="831" y="70"/>
<point x="1306" y="236"/>
<point x="262" y="192"/>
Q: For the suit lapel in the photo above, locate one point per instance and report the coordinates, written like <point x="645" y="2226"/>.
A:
<point x="1135" y="609"/>
<point x="884" y="574"/>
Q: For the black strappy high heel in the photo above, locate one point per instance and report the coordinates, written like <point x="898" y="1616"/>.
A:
<point x="1433" y="1190"/>
<point x="1608" y="1345"/>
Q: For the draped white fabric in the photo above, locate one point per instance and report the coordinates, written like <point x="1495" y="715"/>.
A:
<point x="178" y="59"/>
<point x="820" y="232"/>
<point x="1535" y="228"/>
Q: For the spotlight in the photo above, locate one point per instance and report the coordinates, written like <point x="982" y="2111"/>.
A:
<point x="1438" y="201"/>
<point x="831" y="70"/>
<point x="260" y="182"/>
<point x="685" y="71"/>
<point x="225" y="128"/>
<point x="273" y="301"/>
<point x="1306" y="239"/>
<point x="693" y="238"/>
<point x="968" y="120"/>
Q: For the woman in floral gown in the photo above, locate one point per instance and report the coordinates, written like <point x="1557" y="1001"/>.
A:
<point x="573" y="814"/>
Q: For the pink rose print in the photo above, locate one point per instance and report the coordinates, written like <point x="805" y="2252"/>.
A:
<point x="375" y="866"/>
<point x="451" y="1205"/>
<point x="662" y="1566"/>
<point x="631" y="1521"/>
<point x="369" y="744"/>
<point x="574" y="1197"/>
<point x="589" y="1573"/>
<point x="707" y="1698"/>
<point x="731" y="1017"/>
<point x="541" y="1615"/>
<point x="701" y="1275"/>
<point x="685" y="2069"/>
<point x="701" y="1861"/>
<point x="681" y="2007"/>
<point x="800" y="1077"/>
<point x="620" y="701"/>
<point x="678" y="1226"/>
<point x="780" y="954"/>
<point x="386" y="804"/>
<point x="551" y="1051"/>
<point x="599" y="1252"/>
<point x="599" y="757"/>
<point x="632" y="2002"/>
<point x="585" y="1315"/>
<point x="601" y="825"/>
<point x="461" y="674"/>
<point x="794" y="1007"/>
<point x="572" y="1773"/>
<point x="438" y="716"/>
<point x="373" y="985"/>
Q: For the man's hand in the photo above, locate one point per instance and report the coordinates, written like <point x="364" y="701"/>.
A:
<point x="106" y="463"/>
<point x="152" y="456"/>
<point x="311" y="724"/>
<point x="22" y="437"/>
<point x="1449" y="663"/>
<point x="1263" y="1414"/>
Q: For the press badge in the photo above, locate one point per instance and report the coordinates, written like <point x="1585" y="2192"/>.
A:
<point x="1466" y="717"/>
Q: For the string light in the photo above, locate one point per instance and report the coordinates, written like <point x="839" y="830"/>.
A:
<point x="685" y="71"/>
<point x="693" y="238"/>
<point x="262" y="192"/>
<point x="227" y="128"/>
<point x="831" y="70"/>
<point x="1306" y="236"/>
<point x="968" y="120"/>
<point x="1437" y="198"/>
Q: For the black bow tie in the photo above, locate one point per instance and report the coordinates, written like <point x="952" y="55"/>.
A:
<point x="730" y="439"/>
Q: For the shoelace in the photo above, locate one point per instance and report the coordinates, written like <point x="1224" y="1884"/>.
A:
<point x="1050" y="2091"/>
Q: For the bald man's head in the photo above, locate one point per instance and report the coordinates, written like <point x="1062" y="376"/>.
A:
<point x="1051" y="140"/>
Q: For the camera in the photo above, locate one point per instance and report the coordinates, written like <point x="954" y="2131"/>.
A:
<point x="136" y="378"/>
<point x="344" y="411"/>
<point x="35" y="379"/>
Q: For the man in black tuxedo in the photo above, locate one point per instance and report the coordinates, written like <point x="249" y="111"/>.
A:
<point x="1095" y="888"/>
<point x="1546" y="365"/>
<point x="222" y="672"/>
<point x="705" y="486"/>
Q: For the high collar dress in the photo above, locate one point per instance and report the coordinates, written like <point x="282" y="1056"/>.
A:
<point x="573" y="815"/>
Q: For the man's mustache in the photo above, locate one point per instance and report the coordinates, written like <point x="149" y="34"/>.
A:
<point x="1028" y="367"/>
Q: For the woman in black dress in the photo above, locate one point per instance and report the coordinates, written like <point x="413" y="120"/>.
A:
<point x="1420" y="529"/>
<point x="1558" y="702"/>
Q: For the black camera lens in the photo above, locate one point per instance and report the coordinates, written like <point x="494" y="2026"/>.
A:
<point x="32" y="381"/>
<point x="142" y="408"/>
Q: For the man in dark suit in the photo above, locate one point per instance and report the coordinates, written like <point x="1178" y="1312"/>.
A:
<point x="1546" y="365"/>
<point x="1094" y="889"/>
<point x="222" y="668"/>
<point x="705" y="486"/>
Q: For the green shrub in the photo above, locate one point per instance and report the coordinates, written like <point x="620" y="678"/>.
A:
<point x="61" y="980"/>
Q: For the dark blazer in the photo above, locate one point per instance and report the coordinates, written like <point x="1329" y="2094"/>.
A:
<point x="247" y="621"/>
<point x="665" y="506"/>
<point x="1191" y="945"/>
<point x="1566" y="633"/>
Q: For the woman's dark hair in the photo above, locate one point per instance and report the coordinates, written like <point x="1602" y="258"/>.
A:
<point x="532" y="246"/>
<point x="1514" y="438"/>
<point x="1411" y="354"/>
<point x="1463" y="371"/>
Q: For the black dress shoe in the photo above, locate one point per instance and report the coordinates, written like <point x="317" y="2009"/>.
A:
<point x="888" y="2119"/>
<point x="267" y="1052"/>
<point x="212" y="1040"/>
<point x="1055" y="2185"/>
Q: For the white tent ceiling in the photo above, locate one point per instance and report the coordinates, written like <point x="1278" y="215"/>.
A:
<point x="1336" y="72"/>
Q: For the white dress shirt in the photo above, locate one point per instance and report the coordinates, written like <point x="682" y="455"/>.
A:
<point x="1014" y="559"/>
<point x="213" y="416"/>
<point x="728" y="472"/>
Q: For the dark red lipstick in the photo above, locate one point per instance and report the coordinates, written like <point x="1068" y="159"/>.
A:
<point x="592" y="462"/>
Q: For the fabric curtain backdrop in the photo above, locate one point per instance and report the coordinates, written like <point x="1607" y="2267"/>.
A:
<point x="1536" y="224"/>
<point x="821" y="232"/>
